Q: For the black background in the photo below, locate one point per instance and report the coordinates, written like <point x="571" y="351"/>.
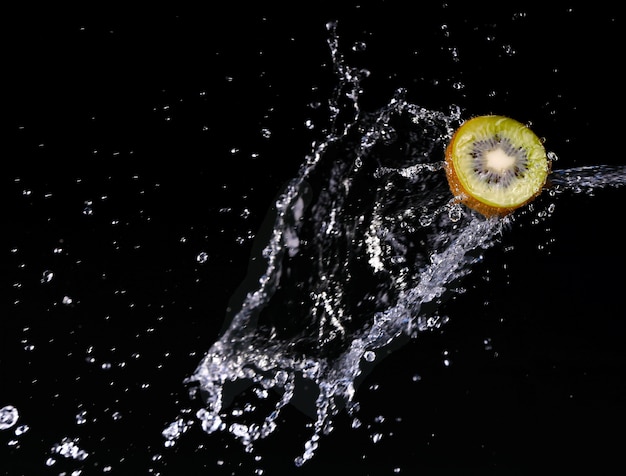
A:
<point x="134" y="140"/>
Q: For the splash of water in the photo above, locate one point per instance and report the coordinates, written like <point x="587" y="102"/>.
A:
<point x="365" y="244"/>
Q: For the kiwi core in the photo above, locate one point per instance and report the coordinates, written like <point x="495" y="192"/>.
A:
<point x="499" y="161"/>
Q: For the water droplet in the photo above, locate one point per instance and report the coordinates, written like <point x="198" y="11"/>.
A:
<point x="67" y="300"/>
<point x="173" y="431"/>
<point x="20" y="430"/>
<point x="369" y="356"/>
<point x="455" y="212"/>
<point x="202" y="257"/>
<point x="81" y="418"/>
<point x="8" y="417"/>
<point x="69" y="448"/>
<point x="508" y="50"/>
<point x="47" y="276"/>
<point x="425" y="220"/>
<point x="88" y="210"/>
<point x="552" y="156"/>
<point x="359" y="46"/>
<point x="487" y="343"/>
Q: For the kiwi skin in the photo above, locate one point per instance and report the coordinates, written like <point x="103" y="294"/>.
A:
<point x="463" y="196"/>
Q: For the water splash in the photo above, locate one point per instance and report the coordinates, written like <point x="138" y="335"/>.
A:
<point x="589" y="178"/>
<point x="365" y="243"/>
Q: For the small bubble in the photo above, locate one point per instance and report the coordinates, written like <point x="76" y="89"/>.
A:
<point x="455" y="213"/>
<point x="359" y="46"/>
<point x="552" y="156"/>
<point x="425" y="220"/>
<point x="202" y="257"/>
<point x="67" y="300"/>
<point x="369" y="356"/>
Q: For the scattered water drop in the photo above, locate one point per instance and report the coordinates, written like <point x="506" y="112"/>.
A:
<point x="69" y="448"/>
<point x="81" y="418"/>
<point x="359" y="46"/>
<point x="8" y="417"/>
<point x="88" y="209"/>
<point x="20" y="430"/>
<point x="202" y="257"/>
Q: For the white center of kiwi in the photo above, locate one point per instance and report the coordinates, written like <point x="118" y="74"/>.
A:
<point x="497" y="160"/>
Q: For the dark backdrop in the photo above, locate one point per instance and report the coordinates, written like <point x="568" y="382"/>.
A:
<point x="133" y="141"/>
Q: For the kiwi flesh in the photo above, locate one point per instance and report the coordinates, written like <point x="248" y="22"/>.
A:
<point x="495" y="164"/>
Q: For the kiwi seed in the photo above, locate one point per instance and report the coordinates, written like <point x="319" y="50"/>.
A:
<point x="495" y="165"/>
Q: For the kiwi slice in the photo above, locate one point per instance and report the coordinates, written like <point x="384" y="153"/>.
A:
<point x="495" y="164"/>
